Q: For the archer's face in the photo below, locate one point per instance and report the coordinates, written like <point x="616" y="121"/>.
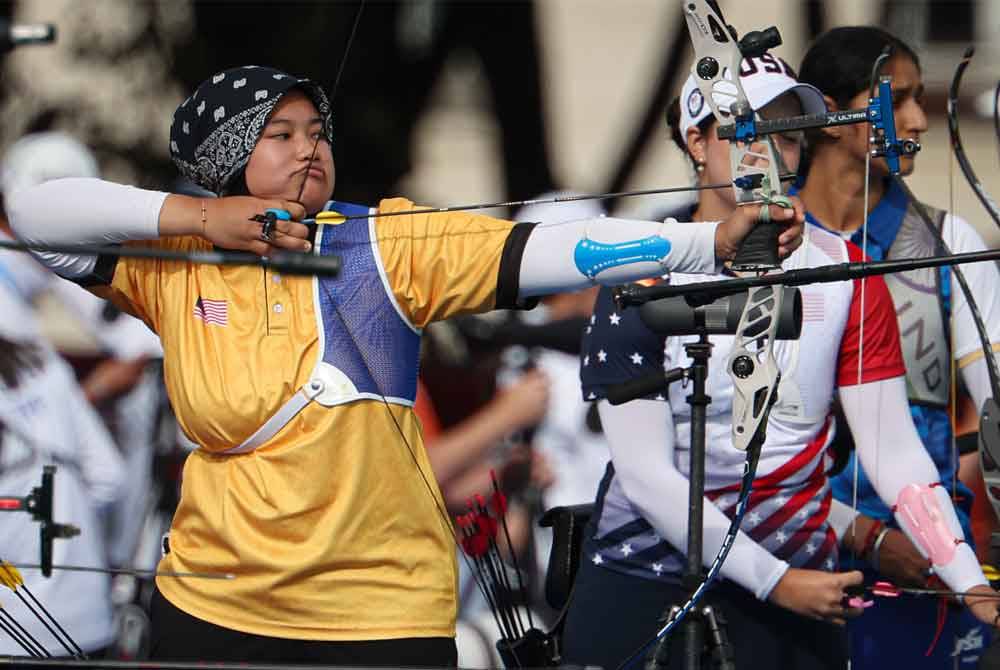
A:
<point x="907" y="107"/>
<point x="787" y="145"/>
<point x="714" y="152"/>
<point x="279" y="164"/>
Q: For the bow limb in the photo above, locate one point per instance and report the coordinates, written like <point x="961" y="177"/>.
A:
<point x="989" y="421"/>
<point x="956" y="139"/>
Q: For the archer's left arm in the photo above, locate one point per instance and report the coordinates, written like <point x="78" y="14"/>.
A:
<point x="443" y="264"/>
<point x="889" y="448"/>
<point x="906" y="480"/>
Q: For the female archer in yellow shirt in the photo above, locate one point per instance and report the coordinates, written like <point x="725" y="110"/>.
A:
<point x="310" y="482"/>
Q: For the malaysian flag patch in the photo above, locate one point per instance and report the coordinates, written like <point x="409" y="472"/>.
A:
<point x="211" y="311"/>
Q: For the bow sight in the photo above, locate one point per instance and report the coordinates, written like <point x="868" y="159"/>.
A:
<point x="879" y="114"/>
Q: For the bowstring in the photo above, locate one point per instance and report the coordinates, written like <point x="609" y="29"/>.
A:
<point x="333" y="95"/>
<point x="952" y="367"/>
<point x="996" y="112"/>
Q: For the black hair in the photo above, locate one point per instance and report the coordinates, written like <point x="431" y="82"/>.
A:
<point x="839" y="63"/>
<point x="674" y="123"/>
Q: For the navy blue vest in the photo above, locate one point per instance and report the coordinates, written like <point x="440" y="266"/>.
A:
<point x="362" y="331"/>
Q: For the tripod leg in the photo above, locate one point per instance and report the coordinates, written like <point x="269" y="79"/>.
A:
<point x="721" y="652"/>
<point x="659" y="656"/>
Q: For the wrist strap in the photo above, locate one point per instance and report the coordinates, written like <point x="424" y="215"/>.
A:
<point x="871" y="536"/>
<point x="876" y="546"/>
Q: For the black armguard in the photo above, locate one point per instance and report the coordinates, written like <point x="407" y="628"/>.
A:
<point x="103" y="273"/>
<point x="509" y="275"/>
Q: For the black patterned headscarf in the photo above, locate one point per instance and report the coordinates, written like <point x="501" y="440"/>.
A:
<point x="215" y="130"/>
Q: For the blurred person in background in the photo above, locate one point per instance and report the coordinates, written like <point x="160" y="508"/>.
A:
<point x="120" y="378"/>
<point x="118" y="381"/>
<point x="46" y="419"/>
<point x="937" y="335"/>
<point x="463" y="456"/>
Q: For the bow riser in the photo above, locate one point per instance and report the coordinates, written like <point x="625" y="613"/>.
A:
<point x="755" y="167"/>
<point x="755" y="171"/>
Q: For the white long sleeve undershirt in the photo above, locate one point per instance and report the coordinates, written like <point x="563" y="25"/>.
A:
<point x="889" y="449"/>
<point x="660" y="492"/>
<point x="893" y="457"/>
<point x="83" y="211"/>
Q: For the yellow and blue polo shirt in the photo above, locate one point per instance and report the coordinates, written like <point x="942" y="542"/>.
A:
<point x="328" y="527"/>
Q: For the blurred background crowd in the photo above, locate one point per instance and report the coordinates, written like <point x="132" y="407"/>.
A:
<point x="446" y="102"/>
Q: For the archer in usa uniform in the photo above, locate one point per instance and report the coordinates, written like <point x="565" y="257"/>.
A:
<point x="310" y="482"/>
<point x="781" y="593"/>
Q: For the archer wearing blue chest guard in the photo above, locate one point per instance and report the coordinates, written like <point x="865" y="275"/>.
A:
<point x="937" y="333"/>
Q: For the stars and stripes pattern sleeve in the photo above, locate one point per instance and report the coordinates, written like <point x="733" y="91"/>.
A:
<point x="617" y="347"/>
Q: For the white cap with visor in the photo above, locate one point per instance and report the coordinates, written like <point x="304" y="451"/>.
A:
<point x="764" y="79"/>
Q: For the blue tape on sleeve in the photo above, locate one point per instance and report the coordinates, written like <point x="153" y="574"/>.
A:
<point x="592" y="257"/>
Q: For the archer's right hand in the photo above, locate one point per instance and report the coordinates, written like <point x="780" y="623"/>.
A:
<point x="816" y="594"/>
<point x="525" y="402"/>
<point x="227" y="222"/>
<point x="228" y="225"/>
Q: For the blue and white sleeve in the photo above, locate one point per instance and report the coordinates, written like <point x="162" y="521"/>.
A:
<point x="608" y="251"/>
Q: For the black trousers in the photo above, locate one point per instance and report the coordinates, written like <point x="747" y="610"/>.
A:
<point x="611" y="615"/>
<point x="178" y="636"/>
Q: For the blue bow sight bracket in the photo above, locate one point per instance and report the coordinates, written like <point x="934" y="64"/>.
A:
<point x="879" y="113"/>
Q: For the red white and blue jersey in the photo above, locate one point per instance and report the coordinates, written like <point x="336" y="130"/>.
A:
<point x="787" y="512"/>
